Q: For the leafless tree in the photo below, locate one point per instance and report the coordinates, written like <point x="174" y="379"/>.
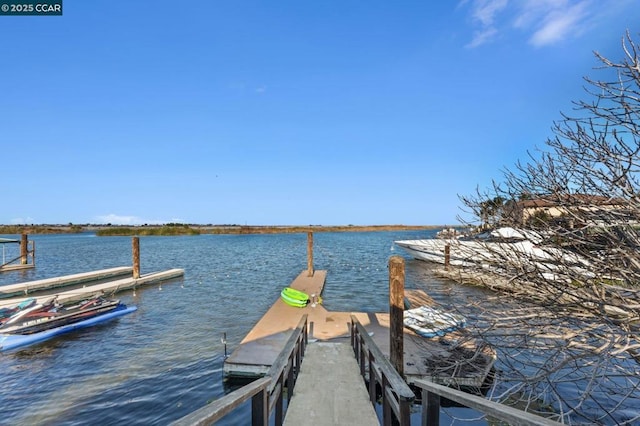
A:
<point x="571" y="344"/>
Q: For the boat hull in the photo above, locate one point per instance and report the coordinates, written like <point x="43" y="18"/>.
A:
<point x="14" y="341"/>
<point x="551" y="262"/>
<point x="431" y="322"/>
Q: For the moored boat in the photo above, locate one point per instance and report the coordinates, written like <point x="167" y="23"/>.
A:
<point x="10" y="341"/>
<point x="50" y="314"/>
<point x="427" y="321"/>
<point x="502" y="250"/>
<point x="7" y="312"/>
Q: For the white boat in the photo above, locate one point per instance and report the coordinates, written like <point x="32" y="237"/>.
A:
<point x="503" y="248"/>
<point x="431" y="322"/>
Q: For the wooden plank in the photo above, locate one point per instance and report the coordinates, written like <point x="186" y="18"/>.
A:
<point x="221" y="407"/>
<point x="108" y="288"/>
<point x="329" y="389"/>
<point x="7" y="268"/>
<point x="396" y="310"/>
<point x="502" y="412"/>
<point x="260" y="348"/>
<point x="25" y="289"/>
<point x="425" y="358"/>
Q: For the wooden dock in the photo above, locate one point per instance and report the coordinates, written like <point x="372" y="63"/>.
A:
<point x="26" y="259"/>
<point x="329" y="389"/>
<point x="16" y="267"/>
<point x="449" y="360"/>
<point x="25" y="289"/>
<point x="108" y="287"/>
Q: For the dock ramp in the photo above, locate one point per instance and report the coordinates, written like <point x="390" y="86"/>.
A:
<point x="329" y="389"/>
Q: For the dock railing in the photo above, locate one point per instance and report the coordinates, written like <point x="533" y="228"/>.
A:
<point x="266" y="393"/>
<point x="27" y="251"/>
<point x="397" y="396"/>
<point x="432" y="392"/>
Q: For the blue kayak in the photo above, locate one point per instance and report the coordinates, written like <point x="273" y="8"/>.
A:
<point x="13" y="341"/>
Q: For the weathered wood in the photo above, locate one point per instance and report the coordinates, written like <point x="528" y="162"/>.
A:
<point x="289" y="349"/>
<point x="261" y="346"/>
<point x="396" y="311"/>
<point x="310" y="254"/>
<point x="397" y="395"/>
<point x="223" y="406"/>
<point x="260" y="409"/>
<point x="329" y="389"/>
<point x="395" y="380"/>
<point x="135" y="249"/>
<point x="265" y="393"/>
<point x="24" y="250"/>
<point x="108" y="288"/>
<point x="430" y="408"/>
<point x="14" y="293"/>
<point x="502" y="412"/>
<point x="447" y="256"/>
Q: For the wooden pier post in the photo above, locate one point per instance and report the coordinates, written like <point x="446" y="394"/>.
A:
<point x="396" y="311"/>
<point x="309" y="254"/>
<point x="447" y="256"/>
<point x="24" y="249"/>
<point x="135" y="248"/>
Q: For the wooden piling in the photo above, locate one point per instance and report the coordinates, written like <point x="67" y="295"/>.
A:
<point x="447" y="256"/>
<point x="309" y="254"/>
<point x="396" y="311"/>
<point x="24" y="249"/>
<point x="135" y="248"/>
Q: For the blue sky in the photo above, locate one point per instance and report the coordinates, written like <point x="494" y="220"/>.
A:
<point x="284" y="112"/>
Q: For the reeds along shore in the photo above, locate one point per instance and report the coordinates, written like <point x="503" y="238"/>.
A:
<point x="194" y="229"/>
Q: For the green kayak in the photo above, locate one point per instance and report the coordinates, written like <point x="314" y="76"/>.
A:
<point x="293" y="297"/>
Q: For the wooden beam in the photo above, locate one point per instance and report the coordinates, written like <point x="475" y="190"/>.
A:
<point x="310" y="254"/>
<point x="24" y="243"/>
<point x="447" y="256"/>
<point x="396" y="310"/>
<point x="135" y="248"/>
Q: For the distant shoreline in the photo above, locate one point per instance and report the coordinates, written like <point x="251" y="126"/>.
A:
<point x="195" y="229"/>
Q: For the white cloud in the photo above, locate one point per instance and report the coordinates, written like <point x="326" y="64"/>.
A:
<point x="558" y="24"/>
<point x="485" y="11"/>
<point x="115" y="219"/>
<point x="545" y="22"/>
<point x="482" y="37"/>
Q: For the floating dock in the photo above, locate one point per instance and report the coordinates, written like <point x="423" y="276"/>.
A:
<point x="24" y="289"/>
<point x="329" y="389"/>
<point x="108" y="287"/>
<point x="454" y="359"/>
<point x="27" y="252"/>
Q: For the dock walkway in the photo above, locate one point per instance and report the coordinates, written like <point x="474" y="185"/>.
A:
<point x="447" y="360"/>
<point x="329" y="389"/>
<point x="24" y="289"/>
<point x="108" y="287"/>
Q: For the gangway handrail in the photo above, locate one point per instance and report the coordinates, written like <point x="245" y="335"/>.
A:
<point x="431" y="393"/>
<point x="397" y="396"/>
<point x="29" y="252"/>
<point x="286" y="369"/>
<point x="266" y="393"/>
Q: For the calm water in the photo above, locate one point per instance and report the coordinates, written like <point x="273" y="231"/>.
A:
<point x="165" y="360"/>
